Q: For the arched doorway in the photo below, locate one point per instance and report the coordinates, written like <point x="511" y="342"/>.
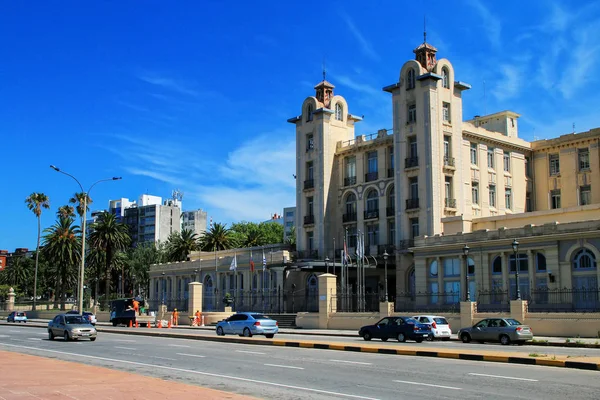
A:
<point x="208" y="303"/>
<point x="312" y="294"/>
<point x="411" y="283"/>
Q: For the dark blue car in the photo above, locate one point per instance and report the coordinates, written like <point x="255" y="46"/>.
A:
<point x="400" y="328"/>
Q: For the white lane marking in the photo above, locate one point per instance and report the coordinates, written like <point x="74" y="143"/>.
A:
<point x="505" y="377"/>
<point x="190" y="355"/>
<point x="164" y="358"/>
<point x="3" y="336"/>
<point x="429" y="384"/>
<point x="249" y="352"/>
<point x="351" y="362"/>
<point x="179" y="345"/>
<point x="282" y="366"/>
<point x="15" y="331"/>
<point x="190" y="371"/>
<point x="33" y="338"/>
<point x="124" y="340"/>
<point x="125" y="348"/>
<point x="18" y="340"/>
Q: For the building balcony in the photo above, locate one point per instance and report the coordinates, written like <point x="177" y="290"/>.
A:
<point x="406" y="244"/>
<point x="390" y="172"/>
<point x="449" y="203"/>
<point x="349" y="217"/>
<point x="309" y="184"/>
<point x="308" y="254"/>
<point x="371" y="214"/>
<point x="390" y="211"/>
<point x="411" y="162"/>
<point x="371" y="176"/>
<point x="309" y="220"/>
<point x="411" y="204"/>
<point x="350" y="181"/>
<point x="449" y="162"/>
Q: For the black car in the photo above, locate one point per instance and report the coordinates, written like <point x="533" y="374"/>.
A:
<point x="400" y="328"/>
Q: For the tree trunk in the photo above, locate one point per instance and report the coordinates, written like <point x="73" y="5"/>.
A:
<point x="37" y="256"/>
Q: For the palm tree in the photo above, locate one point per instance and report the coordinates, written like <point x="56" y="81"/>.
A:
<point x="111" y="236"/>
<point x="63" y="246"/>
<point x="65" y="211"/>
<point x="78" y="198"/>
<point x="218" y="237"/>
<point x="180" y="245"/>
<point x="36" y="202"/>
<point x="17" y="273"/>
<point x="95" y="262"/>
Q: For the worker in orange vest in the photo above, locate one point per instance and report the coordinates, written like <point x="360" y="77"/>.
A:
<point x="136" y="307"/>
<point x="175" y="317"/>
<point x="198" y="316"/>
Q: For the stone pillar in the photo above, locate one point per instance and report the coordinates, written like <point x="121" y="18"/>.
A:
<point x="531" y="271"/>
<point x="11" y="300"/>
<point x="195" y="298"/>
<point x="386" y="308"/>
<point x="467" y="312"/>
<point x="518" y="310"/>
<point x="327" y="298"/>
<point x="505" y="272"/>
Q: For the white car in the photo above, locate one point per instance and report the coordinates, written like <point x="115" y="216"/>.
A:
<point x="440" y="328"/>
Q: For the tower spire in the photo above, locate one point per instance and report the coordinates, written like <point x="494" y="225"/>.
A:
<point x="424" y="29"/>
<point x="324" y="70"/>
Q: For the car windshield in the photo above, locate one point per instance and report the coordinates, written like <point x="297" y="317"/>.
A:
<point x="441" y="321"/>
<point x="411" y="321"/>
<point x="75" y="319"/>
<point x="21" y="314"/>
<point x="260" y="316"/>
<point x="511" y="321"/>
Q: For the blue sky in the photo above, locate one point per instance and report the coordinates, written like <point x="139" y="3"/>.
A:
<point x="195" y="96"/>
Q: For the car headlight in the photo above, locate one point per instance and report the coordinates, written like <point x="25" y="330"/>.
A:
<point x="75" y="331"/>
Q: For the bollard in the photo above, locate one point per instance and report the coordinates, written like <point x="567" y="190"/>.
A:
<point x="202" y="321"/>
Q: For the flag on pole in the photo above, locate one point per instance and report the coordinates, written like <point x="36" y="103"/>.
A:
<point x="264" y="261"/>
<point x="251" y="262"/>
<point x="233" y="266"/>
<point x="345" y="253"/>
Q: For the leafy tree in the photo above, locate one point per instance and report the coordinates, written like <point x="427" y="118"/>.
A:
<point x="78" y="198"/>
<point x="291" y="239"/>
<point x="95" y="262"/>
<point x="181" y="244"/>
<point x="18" y="273"/>
<point x="272" y="231"/>
<point x="218" y="237"/>
<point x="36" y="202"/>
<point x="251" y="234"/>
<point x="65" y="211"/>
<point x="140" y="258"/>
<point x="62" y="245"/>
<point x="110" y="236"/>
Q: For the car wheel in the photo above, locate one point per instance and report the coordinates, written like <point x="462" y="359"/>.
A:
<point x="419" y="340"/>
<point x="465" y="337"/>
<point x="480" y="341"/>
<point x="247" y="332"/>
<point x="92" y="339"/>
<point x="367" y="336"/>
<point x="505" y="340"/>
<point x="520" y="342"/>
<point x="384" y="339"/>
<point x="445" y="339"/>
<point x="66" y="336"/>
<point x="270" y="336"/>
<point x="220" y="331"/>
<point x="114" y="323"/>
<point x="401" y="337"/>
<point x="430" y="338"/>
<point x="50" y="334"/>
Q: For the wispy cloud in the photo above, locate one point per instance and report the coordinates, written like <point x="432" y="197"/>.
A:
<point x="510" y="84"/>
<point x="168" y="83"/>
<point x="582" y="61"/>
<point x="365" y="45"/>
<point x="489" y="21"/>
<point x="345" y="80"/>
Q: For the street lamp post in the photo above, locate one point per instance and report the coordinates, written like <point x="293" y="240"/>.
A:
<point x="466" y="253"/>
<point x="385" y="258"/>
<point x="515" y="247"/>
<point x="83" y="233"/>
<point x="327" y="264"/>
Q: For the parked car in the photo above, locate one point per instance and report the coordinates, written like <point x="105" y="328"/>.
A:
<point x="71" y="327"/>
<point x="17" y="316"/>
<point x="503" y="330"/>
<point x="86" y="314"/>
<point x="440" y="328"/>
<point x="248" y="324"/>
<point x="400" y="328"/>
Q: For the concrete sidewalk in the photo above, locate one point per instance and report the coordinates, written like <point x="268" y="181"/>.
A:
<point x="56" y="379"/>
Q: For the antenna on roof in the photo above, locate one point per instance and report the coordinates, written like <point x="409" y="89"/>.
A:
<point x="324" y="70"/>
<point x="424" y="28"/>
<point x="573" y="127"/>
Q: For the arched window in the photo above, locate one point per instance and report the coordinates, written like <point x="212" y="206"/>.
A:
<point x="410" y="80"/>
<point x="584" y="259"/>
<point x="339" y="112"/>
<point x="391" y="200"/>
<point x="207" y="294"/>
<point x="540" y="262"/>
<point x="372" y="201"/>
<point x="351" y="204"/>
<point x="445" y="78"/>
<point x="433" y="268"/>
<point x="497" y="266"/>
<point x="309" y="113"/>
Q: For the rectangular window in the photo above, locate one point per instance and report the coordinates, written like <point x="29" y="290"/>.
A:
<point x="554" y="164"/>
<point x="492" y="195"/>
<point x="508" y="199"/>
<point x="309" y="206"/>
<point x="309" y="240"/>
<point x="475" y="192"/>
<point x="528" y="203"/>
<point x="309" y="170"/>
<point x="474" y="153"/>
<point x="490" y="157"/>
<point x="392" y="232"/>
<point x="584" y="159"/>
<point x="391" y="154"/>
<point x="412" y="145"/>
<point x="446" y="112"/>
<point x="372" y="161"/>
<point x="528" y="167"/>
<point x="447" y="151"/>
<point x="351" y="235"/>
<point x="412" y="113"/>
<point x="585" y="195"/>
<point x="451" y="292"/>
<point x="350" y="167"/>
<point x="521" y="260"/>
<point x="451" y="267"/>
<point x="448" y="187"/>
<point x="506" y="161"/>
<point x="372" y="234"/>
<point x="414" y="188"/>
<point x="414" y="227"/>
<point x="434" y="290"/>
<point x="555" y="199"/>
<point x="310" y="142"/>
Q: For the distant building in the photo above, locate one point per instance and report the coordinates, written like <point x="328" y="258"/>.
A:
<point x="195" y="221"/>
<point x="289" y="221"/>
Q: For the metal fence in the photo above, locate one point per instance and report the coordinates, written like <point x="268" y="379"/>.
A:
<point x="427" y="302"/>
<point x="564" y="300"/>
<point x="266" y="301"/>
<point x="355" y="302"/>
<point x="181" y="304"/>
<point x="493" y="301"/>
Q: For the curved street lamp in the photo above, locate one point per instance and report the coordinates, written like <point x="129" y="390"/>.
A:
<point x="515" y="247"/>
<point x="385" y="258"/>
<point x="83" y="233"/>
<point x="327" y="264"/>
<point x="466" y="253"/>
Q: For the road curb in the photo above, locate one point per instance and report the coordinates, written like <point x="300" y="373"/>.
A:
<point x="156" y="332"/>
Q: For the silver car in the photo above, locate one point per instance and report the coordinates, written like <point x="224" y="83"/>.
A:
<point x="71" y="327"/>
<point x="248" y="324"/>
<point x="503" y="330"/>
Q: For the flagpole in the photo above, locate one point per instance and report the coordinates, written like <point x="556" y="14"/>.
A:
<point x="334" y="256"/>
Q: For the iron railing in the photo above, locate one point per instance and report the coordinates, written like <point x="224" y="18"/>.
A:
<point x="371" y="214"/>
<point x="309" y="184"/>
<point x="390" y="211"/>
<point x="309" y="219"/>
<point x="350" y="181"/>
<point x="564" y="300"/>
<point x="355" y="302"/>
<point x="349" y="217"/>
<point x="495" y="300"/>
<point x="179" y="303"/>
<point x="411" y="162"/>
<point x="448" y="161"/>
<point x="390" y="172"/>
<point x="427" y="302"/>
<point x="449" y="203"/>
<point x="412" y="203"/>
<point x="371" y="176"/>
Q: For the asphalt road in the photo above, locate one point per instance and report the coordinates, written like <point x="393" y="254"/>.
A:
<point x="296" y="373"/>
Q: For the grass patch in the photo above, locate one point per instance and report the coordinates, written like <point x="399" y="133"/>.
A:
<point x="540" y="341"/>
<point x="537" y="355"/>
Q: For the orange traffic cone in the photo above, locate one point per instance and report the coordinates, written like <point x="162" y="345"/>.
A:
<point x="170" y="324"/>
<point x="159" y="324"/>
<point x="148" y="325"/>
<point x="130" y="325"/>
<point x="137" y="325"/>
